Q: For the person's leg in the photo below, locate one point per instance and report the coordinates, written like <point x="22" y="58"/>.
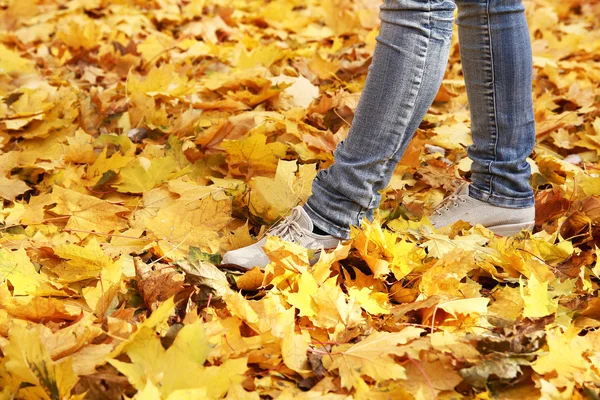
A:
<point x="408" y="65"/>
<point x="497" y="63"/>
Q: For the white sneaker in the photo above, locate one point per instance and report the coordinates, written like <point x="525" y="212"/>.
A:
<point x="295" y="228"/>
<point x="500" y="220"/>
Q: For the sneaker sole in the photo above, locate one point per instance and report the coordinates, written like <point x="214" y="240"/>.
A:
<point x="511" y="229"/>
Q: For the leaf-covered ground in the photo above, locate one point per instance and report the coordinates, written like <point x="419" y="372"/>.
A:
<point x="143" y="139"/>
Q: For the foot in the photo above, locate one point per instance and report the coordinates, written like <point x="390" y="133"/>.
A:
<point x="298" y="228"/>
<point x="500" y="220"/>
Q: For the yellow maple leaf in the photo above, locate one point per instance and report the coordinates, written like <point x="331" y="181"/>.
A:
<point x="301" y="92"/>
<point x="66" y="341"/>
<point x="87" y="213"/>
<point x="451" y="343"/>
<point x="271" y="198"/>
<point x="57" y="119"/>
<point x="384" y="390"/>
<point x="591" y="138"/>
<point x="566" y="360"/>
<point x="551" y="253"/>
<point x="448" y="276"/>
<point x="180" y="224"/>
<point x="294" y="346"/>
<point x="322" y="268"/>
<point x="142" y="174"/>
<point x="18" y="123"/>
<point x="253" y="154"/>
<point x="428" y="379"/>
<point x="439" y="245"/>
<point x="38" y="309"/>
<point x="225" y="338"/>
<point x="261" y="55"/>
<point x="155" y="47"/>
<point x="104" y="164"/>
<point x="11" y="188"/>
<point x="371" y="357"/>
<point x="537" y="301"/>
<point x="80" y="148"/>
<point x="80" y="32"/>
<point x="32" y="102"/>
<point x="302" y="298"/>
<point x="290" y="256"/>
<point x="372" y="302"/>
<point x="240" y="307"/>
<point x="29" y="361"/>
<point x="156" y="323"/>
<point x="151" y="362"/>
<point x="81" y="262"/>
<point x="324" y="68"/>
<point x="475" y="305"/>
<point x="556" y="170"/>
<point x="507" y="303"/>
<point x="11" y="62"/>
<point x="190" y="191"/>
<point x="8" y="161"/>
<point x="99" y="297"/>
<point x="516" y="262"/>
<point x="16" y="268"/>
<point x="160" y="81"/>
<point x="590" y="185"/>
<point x="340" y="18"/>
<point x="149" y="111"/>
<point x="384" y="251"/>
<point x="454" y="137"/>
<point x="335" y="308"/>
<point x="33" y="212"/>
<point x="193" y="9"/>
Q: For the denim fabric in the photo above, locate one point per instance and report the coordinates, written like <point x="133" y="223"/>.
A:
<point x="408" y="65"/>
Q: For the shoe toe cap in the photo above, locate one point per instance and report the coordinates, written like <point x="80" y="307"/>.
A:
<point x="247" y="258"/>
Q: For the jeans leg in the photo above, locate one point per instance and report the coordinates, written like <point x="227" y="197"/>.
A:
<point x="497" y="63"/>
<point x="406" y="72"/>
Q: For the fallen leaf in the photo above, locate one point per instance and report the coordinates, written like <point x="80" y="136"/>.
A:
<point x="11" y="188"/>
<point x="87" y="213"/>
<point x="371" y="357"/>
<point x="29" y="361"/>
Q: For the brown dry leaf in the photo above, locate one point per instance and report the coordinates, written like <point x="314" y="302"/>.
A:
<point x="157" y="285"/>
<point x="251" y="280"/>
<point x="550" y="204"/>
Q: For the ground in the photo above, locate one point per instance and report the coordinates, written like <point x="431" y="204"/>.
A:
<point x="143" y="139"/>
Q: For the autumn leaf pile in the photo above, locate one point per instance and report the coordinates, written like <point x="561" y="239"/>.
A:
<point x="143" y="139"/>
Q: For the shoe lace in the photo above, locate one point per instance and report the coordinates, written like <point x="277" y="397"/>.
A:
<point x="287" y="229"/>
<point x="445" y="203"/>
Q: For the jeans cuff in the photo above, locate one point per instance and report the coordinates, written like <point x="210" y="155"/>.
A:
<point x="501" y="201"/>
<point x="326" y="225"/>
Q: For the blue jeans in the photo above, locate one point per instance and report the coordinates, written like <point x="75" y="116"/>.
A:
<point x="408" y="66"/>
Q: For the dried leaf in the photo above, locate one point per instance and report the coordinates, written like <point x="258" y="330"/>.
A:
<point x="371" y="357"/>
